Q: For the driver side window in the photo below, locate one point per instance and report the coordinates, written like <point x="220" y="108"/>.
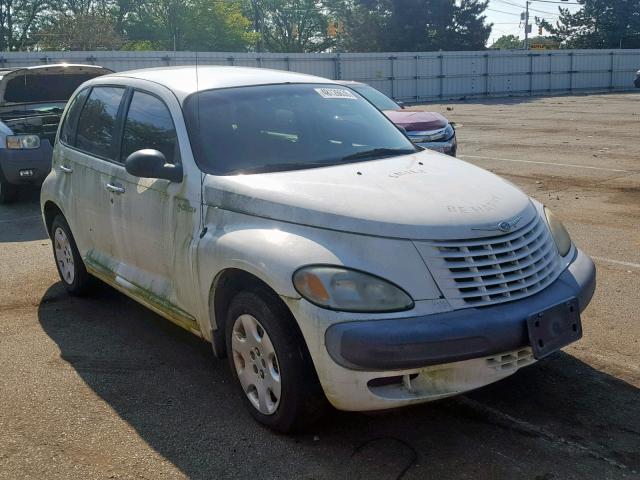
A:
<point x="149" y="125"/>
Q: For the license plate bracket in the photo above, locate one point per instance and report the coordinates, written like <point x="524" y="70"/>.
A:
<point x="554" y="327"/>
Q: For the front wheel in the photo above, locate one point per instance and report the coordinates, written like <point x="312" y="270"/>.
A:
<point x="271" y="364"/>
<point x="70" y="266"/>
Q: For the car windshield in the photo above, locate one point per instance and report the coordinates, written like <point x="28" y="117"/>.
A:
<point x="272" y="128"/>
<point x="379" y="99"/>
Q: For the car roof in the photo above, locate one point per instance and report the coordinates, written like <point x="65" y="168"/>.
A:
<point x="185" y="80"/>
<point x="350" y="82"/>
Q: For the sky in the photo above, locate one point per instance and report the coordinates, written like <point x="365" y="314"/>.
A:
<point x="505" y="15"/>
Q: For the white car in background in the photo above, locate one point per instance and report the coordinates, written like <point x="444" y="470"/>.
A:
<point x="287" y="221"/>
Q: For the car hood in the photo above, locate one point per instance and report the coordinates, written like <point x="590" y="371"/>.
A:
<point x="44" y="83"/>
<point x="425" y="195"/>
<point x="413" y="121"/>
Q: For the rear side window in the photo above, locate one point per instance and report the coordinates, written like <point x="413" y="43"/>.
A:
<point x="149" y="125"/>
<point x="67" y="133"/>
<point x="97" y="122"/>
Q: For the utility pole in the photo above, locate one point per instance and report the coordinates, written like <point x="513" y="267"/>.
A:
<point x="527" y="27"/>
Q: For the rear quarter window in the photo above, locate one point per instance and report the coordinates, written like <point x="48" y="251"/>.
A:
<point x="67" y="132"/>
<point x="97" y="122"/>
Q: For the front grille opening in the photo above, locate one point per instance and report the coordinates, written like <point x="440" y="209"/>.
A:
<point x="396" y="380"/>
<point x="465" y="280"/>
<point x="511" y="361"/>
<point x="503" y="268"/>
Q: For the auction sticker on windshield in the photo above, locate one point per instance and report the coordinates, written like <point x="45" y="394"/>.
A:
<point x="335" y="93"/>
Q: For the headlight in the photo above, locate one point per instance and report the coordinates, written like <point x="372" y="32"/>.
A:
<point x="338" y="288"/>
<point x="559" y="233"/>
<point x="449" y="131"/>
<point x="443" y="134"/>
<point x="19" y="142"/>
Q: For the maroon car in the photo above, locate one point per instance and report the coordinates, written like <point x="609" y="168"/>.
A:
<point x="426" y="129"/>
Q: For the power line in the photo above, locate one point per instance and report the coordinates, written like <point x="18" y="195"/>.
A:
<point x="532" y="9"/>
<point x="559" y="3"/>
<point x="502" y="11"/>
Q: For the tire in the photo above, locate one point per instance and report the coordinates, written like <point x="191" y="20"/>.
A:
<point x="69" y="263"/>
<point x="300" y="400"/>
<point x="8" y="193"/>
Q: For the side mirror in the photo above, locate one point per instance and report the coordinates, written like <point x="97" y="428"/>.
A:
<point x="149" y="163"/>
<point x="401" y="104"/>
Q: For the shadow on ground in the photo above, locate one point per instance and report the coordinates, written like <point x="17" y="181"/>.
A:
<point x="20" y="221"/>
<point x="557" y="419"/>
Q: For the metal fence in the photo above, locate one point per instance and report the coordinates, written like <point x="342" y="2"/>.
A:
<point x="410" y="77"/>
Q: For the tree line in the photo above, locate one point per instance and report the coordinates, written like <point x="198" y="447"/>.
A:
<point x="244" y="25"/>
<point x="296" y="25"/>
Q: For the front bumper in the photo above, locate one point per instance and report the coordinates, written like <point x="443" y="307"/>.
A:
<point x="38" y="160"/>
<point x="454" y="336"/>
<point x="388" y="363"/>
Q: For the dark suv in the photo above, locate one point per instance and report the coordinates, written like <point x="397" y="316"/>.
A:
<point x="32" y="100"/>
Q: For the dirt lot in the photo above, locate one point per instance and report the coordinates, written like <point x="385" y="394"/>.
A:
<point x="101" y="388"/>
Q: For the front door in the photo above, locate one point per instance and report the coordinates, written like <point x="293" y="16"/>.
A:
<point x="154" y="221"/>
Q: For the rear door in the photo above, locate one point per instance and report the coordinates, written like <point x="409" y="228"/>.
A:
<point x="88" y="161"/>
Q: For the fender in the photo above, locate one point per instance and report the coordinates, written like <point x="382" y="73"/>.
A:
<point x="273" y="250"/>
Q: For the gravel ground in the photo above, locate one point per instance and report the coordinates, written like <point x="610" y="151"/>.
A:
<point x="101" y="388"/>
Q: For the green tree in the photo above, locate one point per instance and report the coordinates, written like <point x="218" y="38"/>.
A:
<point x="508" y="42"/>
<point x="364" y="25"/>
<point x="292" y="25"/>
<point x="190" y="25"/>
<point x="18" y="20"/>
<point x="598" y="24"/>
<point x="415" y="25"/>
<point x="218" y="25"/>
<point x="470" y="30"/>
<point x="84" y="31"/>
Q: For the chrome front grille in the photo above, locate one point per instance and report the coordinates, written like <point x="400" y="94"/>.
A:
<point x="484" y="271"/>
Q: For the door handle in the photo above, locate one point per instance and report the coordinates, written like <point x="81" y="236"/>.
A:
<point x="66" y="169"/>
<point x="115" y="188"/>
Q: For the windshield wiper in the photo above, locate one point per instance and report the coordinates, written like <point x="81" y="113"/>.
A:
<point x="281" y="167"/>
<point x="378" y="152"/>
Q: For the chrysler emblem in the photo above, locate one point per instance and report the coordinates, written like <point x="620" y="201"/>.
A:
<point x="504" y="226"/>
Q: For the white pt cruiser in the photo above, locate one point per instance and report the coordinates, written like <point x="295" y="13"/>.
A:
<point x="286" y="220"/>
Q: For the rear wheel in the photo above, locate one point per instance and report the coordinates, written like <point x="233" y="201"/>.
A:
<point x="8" y="193"/>
<point x="271" y="364"/>
<point x="70" y="266"/>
